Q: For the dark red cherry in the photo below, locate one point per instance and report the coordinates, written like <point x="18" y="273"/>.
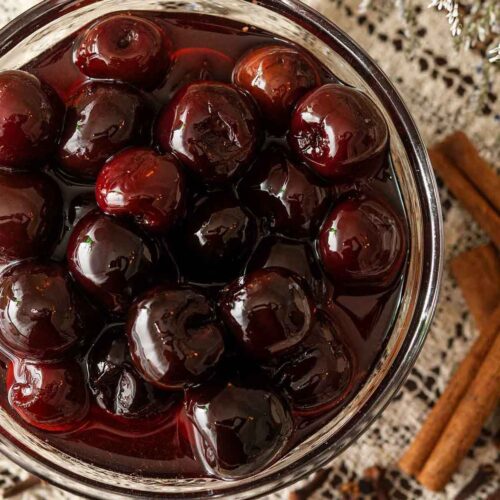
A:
<point x="30" y="120"/>
<point x="362" y="242"/>
<point x="115" y="383"/>
<point x="316" y="375"/>
<point x="42" y="315"/>
<point x="174" y="338"/>
<point x="267" y="311"/>
<point x="238" y="430"/>
<point x="146" y="186"/>
<point x="291" y="199"/>
<point x="111" y="260"/>
<point x="30" y="215"/>
<point x="295" y="256"/>
<point x="101" y="120"/>
<point x="195" y="64"/>
<point x="277" y="76"/>
<point x="50" y="396"/>
<point x="339" y="132"/>
<point x="212" y="128"/>
<point x="125" y="48"/>
<point x="216" y="240"/>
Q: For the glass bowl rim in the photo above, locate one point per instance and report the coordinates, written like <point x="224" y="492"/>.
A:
<point x="432" y="260"/>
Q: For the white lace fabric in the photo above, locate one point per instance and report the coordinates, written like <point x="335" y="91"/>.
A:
<point x="439" y="86"/>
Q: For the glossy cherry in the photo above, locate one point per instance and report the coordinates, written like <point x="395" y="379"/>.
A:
<point x="292" y="200"/>
<point x="216" y="240"/>
<point x="124" y="48"/>
<point x="277" y="76"/>
<point x="212" y="128"/>
<point x="101" y="120"/>
<point x="362" y="242"/>
<point x="339" y="132"/>
<point x="238" y="430"/>
<point x="30" y="120"/>
<point x="316" y="375"/>
<point x="195" y="64"/>
<point x="111" y="260"/>
<point x="115" y="383"/>
<point x="42" y="315"/>
<point x="145" y="186"/>
<point x="30" y="215"/>
<point x="174" y="337"/>
<point x="267" y="311"/>
<point x="50" y="396"/>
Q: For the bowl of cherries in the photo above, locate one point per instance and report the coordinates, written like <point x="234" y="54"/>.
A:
<point x="219" y="245"/>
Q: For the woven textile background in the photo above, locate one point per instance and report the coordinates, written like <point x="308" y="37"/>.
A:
<point x="440" y="88"/>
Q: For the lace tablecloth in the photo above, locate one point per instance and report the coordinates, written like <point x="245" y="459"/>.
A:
<point x="440" y="87"/>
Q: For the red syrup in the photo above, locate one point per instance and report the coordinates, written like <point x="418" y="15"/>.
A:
<point x="295" y="257"/>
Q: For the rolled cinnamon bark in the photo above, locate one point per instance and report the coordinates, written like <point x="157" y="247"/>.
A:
<point x="477" y="273"/>
<point x="415" y="458"/>
<point x="465" y="426"/>
<point x="462" y="153"/>
<point x="459" y="185"/>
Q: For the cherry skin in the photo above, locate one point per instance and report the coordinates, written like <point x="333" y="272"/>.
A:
<point x="30" y="215"/>
<point x="174" y="338"/>
<point x="267" y="311"/>
<point x="124" y="48"/>
<point x="316" y="375"/>
<point x="277" y="76"/>
<point x="111" y="260"/>
<point x="216" y="240"/>
<point x="146" y="186"/>
<point x="212" y="128"/>
<point x="42" y="315"/>
<point x="196" y="64"/>
<point x="115" y="383"/>
<point x="292" y="200"/>
<point x="362" y="243"/>
<point x="50" y="396"/>
<point x="101" y="120"/>
<point x="30" y="120"/>
<point x="339" y="132"/>
<point x="238" y="430"/>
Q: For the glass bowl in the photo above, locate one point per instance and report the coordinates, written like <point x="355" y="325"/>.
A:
<point x="53" y="20"/>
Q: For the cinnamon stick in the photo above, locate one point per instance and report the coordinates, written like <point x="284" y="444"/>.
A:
<point x="465" y="426"/>
<point x="21" y="487"/>
<point x="420" y="450"/>
<point x="460" y="151"/>
<point x="311" y="487"/>
<point x="459" y="185"/>
<point x="477" y="273"/>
